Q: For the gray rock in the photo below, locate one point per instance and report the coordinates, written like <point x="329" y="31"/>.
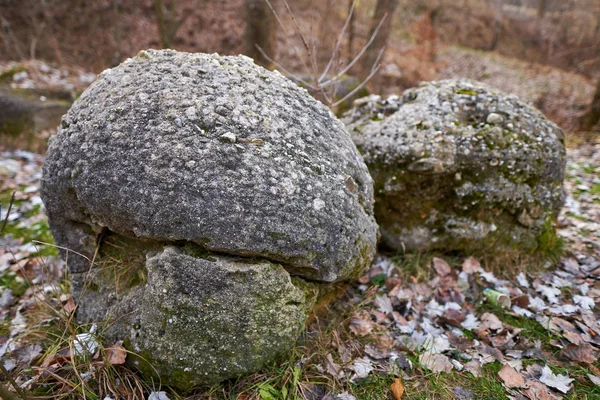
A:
<point x="176" y="149"/>
<point x="16" y="114"/>
<point x="22" y="115"/>
<point x="121" y="162"/>
<point x="198" y="318"/>
<point x="460" y="165"/>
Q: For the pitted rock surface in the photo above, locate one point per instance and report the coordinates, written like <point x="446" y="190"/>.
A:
<point x="207" y="190"/>
<point x="460" y="165"/>
<point x="217" y="151"/>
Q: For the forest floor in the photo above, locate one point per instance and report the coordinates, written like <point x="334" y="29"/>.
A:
<point x="416" y="326"/>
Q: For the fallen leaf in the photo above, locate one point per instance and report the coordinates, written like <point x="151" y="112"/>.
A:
<point x="436" y="362"/>
<point x="584" y="302"/>
<point x="573" y="337"/>
<point x="461" y="393"/>
<point x="452" y="317"/>
<point x="510" y="377"/>
<point x="522" y="280"/>
<point x="558" y="382"/>
<point x="116" y="354"/>
<point x="549" y="292"/>
<point x="361" y="367"/>
<point x="470" y="322"/>
<point x="68" y="304"/>
<point x="60" y="357"/>
<point x="385" y="304"/>
<point x="584" y="353"/>
<point x="595" y="379"/>
<point x="397" y="389"/>
<point x="520" y="300"/>
<point x="377" y="352"/>
<point x="595" y="370"/>
<point x="361" y="325"/>
<point x="27" y="354"/>
<point x="471" y="265"/>
<point x="442" y="268"/>
<point x="535" y="390"/>
<point x="490" y="321"/>
<point x="158" y="396"/>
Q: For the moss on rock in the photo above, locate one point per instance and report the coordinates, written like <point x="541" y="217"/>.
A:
<point x="458" y="165"/>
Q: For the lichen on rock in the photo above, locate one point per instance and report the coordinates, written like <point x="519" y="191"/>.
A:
<point x="459" y="165"/>
<point x="238" y="194"/>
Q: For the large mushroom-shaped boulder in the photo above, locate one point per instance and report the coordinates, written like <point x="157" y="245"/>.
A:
<point x="213" y="196"/>
<point x="459" y="165"/>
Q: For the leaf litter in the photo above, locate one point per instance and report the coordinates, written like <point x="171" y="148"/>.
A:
<point x="399" y="328"/>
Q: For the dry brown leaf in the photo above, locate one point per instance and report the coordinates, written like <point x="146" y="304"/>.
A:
<point x="60" y="357"/>
<point x="361" y="326"/>
<point x="332" y="367"/>
<point x="442" y="268"/>
<point x="68" y="304"/>
<point x="397" y="389"/>
<point x="573" y="337"/>
<point x="535" y="390"/>
<point x="471" y="265"/>
<point x="473" y="367"/>
<point x="594" y="369"/>
<point x="490" y="321"/>
<point x="377" y="352"/>
<point x="452" y="317"/>
<point x="115" y="354"/>
<point x="584" y="353"/>
<point x="511" y="377"/>
<point x="436" y="362"/>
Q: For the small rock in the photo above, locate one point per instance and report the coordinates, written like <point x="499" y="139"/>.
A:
<point x="228" y="137"/>
<point x="494" y="118"/>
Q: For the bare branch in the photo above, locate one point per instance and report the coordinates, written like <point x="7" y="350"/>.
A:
<point x="358" y="56"/>
<point x="288" y="73"/>
<point x="374" y="71"/>
<point x="282" y="25"/>
<point x="336" y="49"/>
<point x="304" y="40"/>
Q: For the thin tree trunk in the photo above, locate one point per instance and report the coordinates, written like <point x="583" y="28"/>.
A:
<point x="167" y="21"/>
<point x="384" y="9"/>
<point x="592" y="117"/>
<point x="541" y="11"/>
<point x="260" y="31"/>
<point x="351" y="28"/>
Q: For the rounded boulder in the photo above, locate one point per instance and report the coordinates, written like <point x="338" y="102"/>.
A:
<point x="459" y="165"/>
<point x="186" y="172"/>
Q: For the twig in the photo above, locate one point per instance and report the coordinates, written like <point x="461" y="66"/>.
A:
<point x="358" y="56"/>
<point x="61" y="247"/>
<point x="7" y="395"/>
<point x="304" y="41"/>
<point x="356" y="89"/>
<point x="282" y="25"/>
<point x="288" y="73"/>
<point x="338" y="42"/>
<point x="12" y="200"/>
<point x="4" y="392"/>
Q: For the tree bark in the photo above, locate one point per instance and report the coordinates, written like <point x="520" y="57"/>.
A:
<point x="384" y="8"/>
<point x="167" y="21"/>
<point x="351" y="29"/>
<point x="541" y="11"/>
<point x="260" y="31"/>
<point x="591" y="118"/>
